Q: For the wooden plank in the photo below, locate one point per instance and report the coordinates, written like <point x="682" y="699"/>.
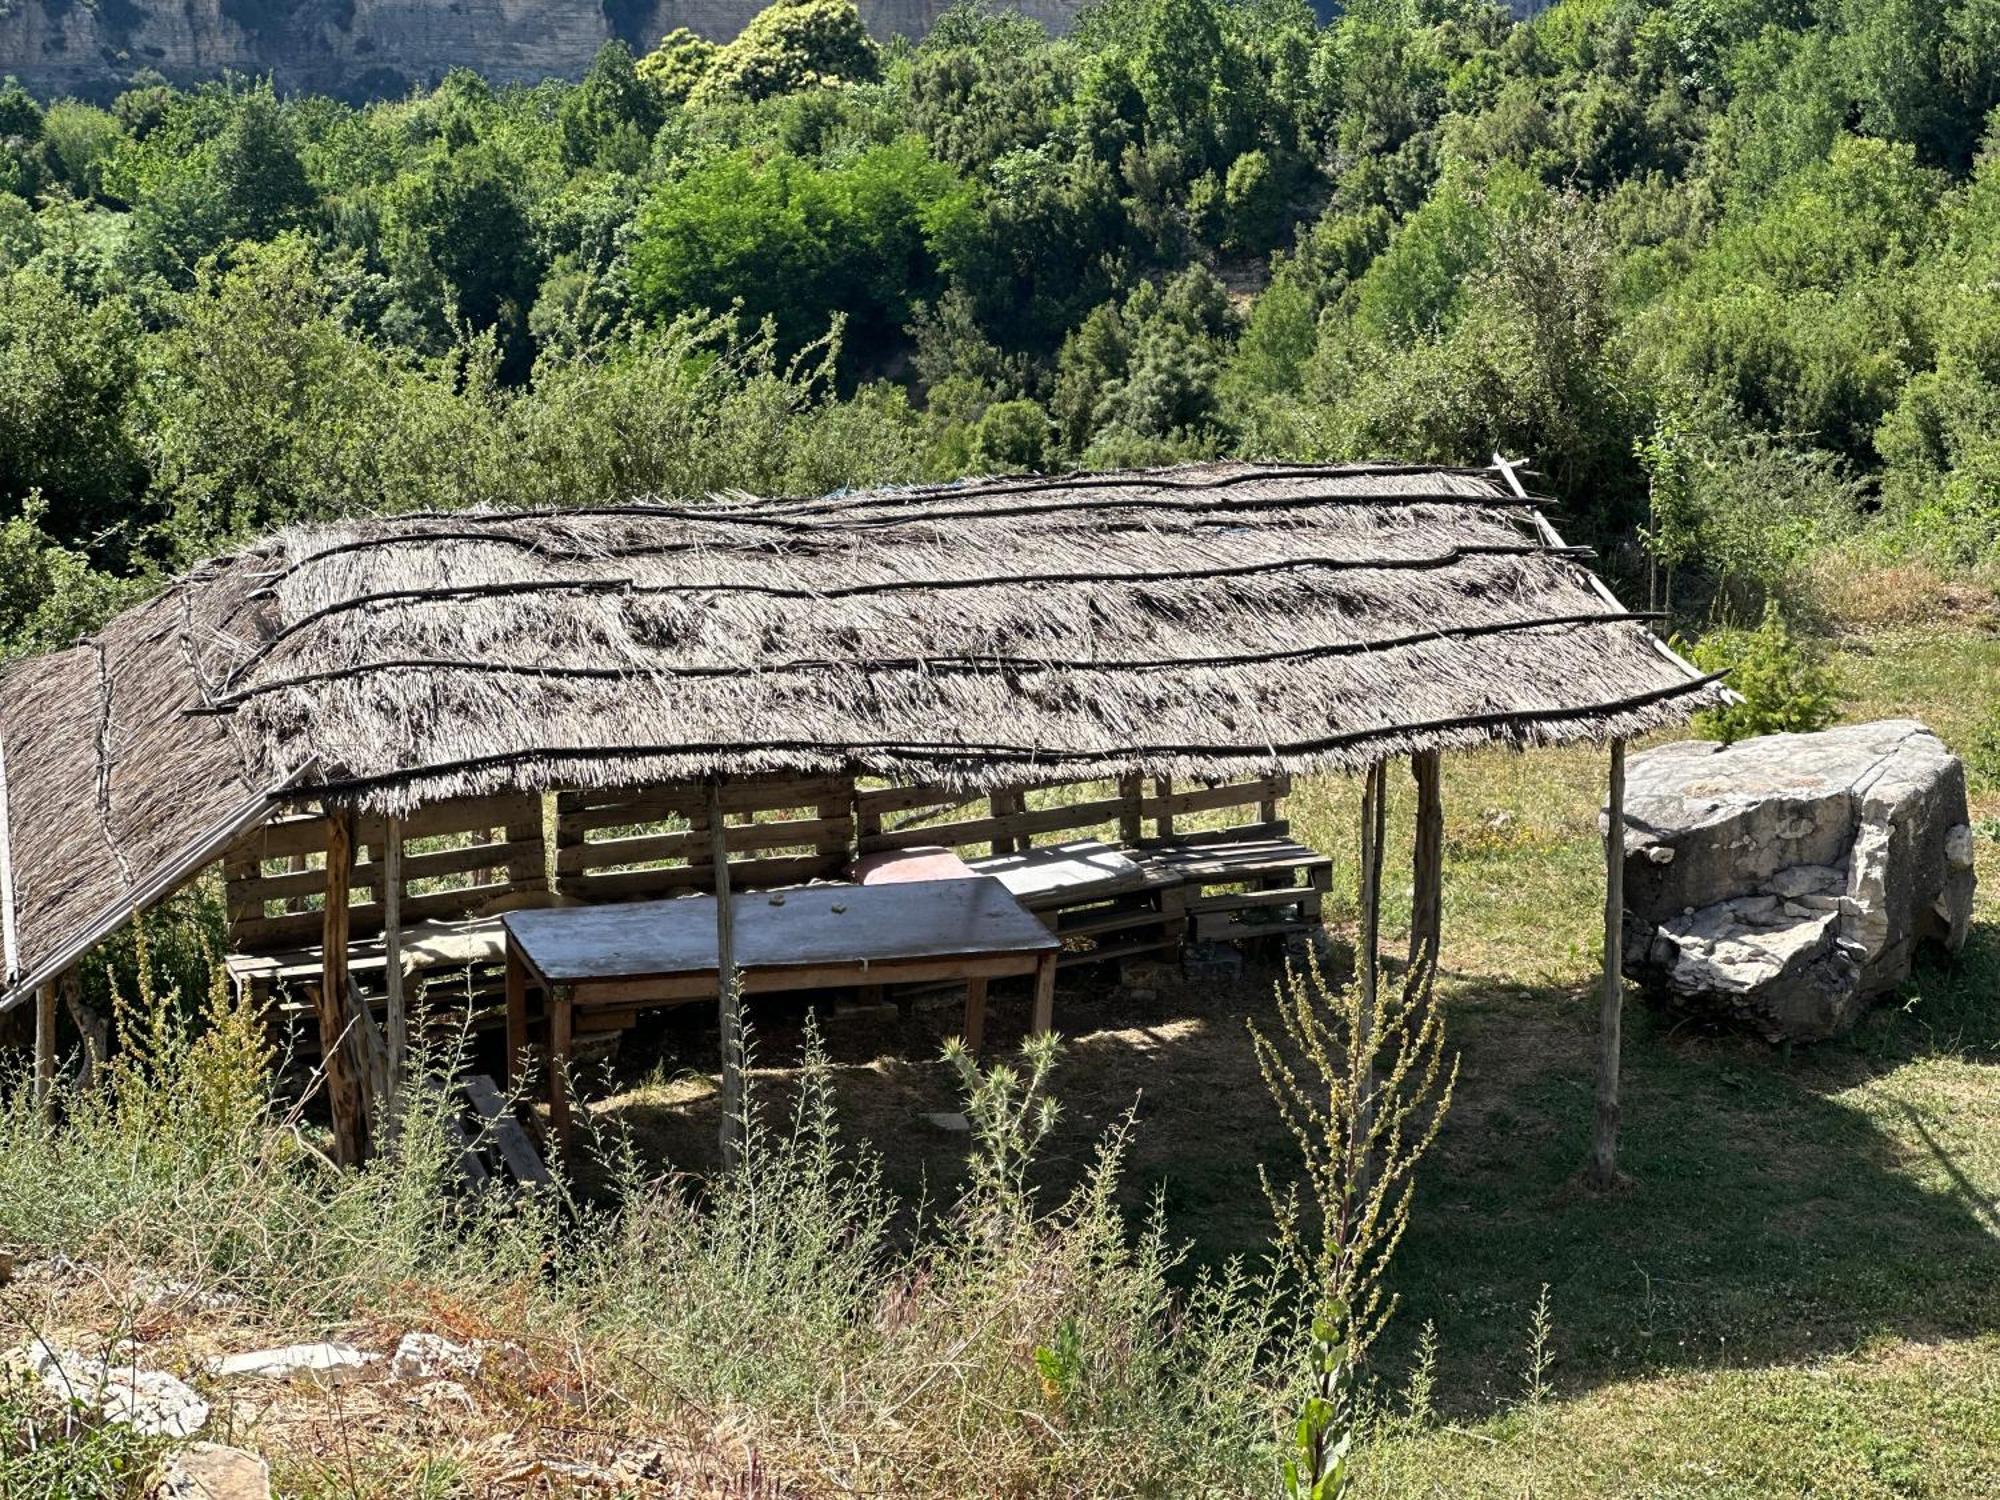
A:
<point x="612" y="807"/>
<point x="1075" y="816"/>
<point x="801" y="928"/>
<point x="827" y="835"/>
<point x="1045" y="996"/>
<point x="508" y="1138"/>
<point x="1168" y="805"/>
<point x="347" y="1096"/>
<point x="752" y="874"/>
<point x="1250" y="900"/>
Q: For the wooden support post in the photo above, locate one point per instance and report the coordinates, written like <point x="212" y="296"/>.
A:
<point x="45" y="1050"/>
<point x="562" y="1027"/>
<point x="517" y="1019"/>
<point x="1131" y="826"/>
<point x="1427" y="860"/>
<point x="92" y="1027"/>
<point x="1163" y="825"/>
<point x="1610" y="1015"/>
<point x="346" y="1093"/>
<point x="1367" y="950"/>
<point x="1045" y="995"/>
<point x="730" y="998"/>
<point x="975" y="1015"/>
<point x="390" y="859"/>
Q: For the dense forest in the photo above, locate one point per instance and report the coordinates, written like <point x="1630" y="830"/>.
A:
<point x="1726" y="269"/>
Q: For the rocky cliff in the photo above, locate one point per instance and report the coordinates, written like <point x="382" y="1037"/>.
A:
<point x="370" y="47"/>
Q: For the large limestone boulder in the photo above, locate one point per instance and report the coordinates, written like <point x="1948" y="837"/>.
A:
<point x="1789" y="880"/>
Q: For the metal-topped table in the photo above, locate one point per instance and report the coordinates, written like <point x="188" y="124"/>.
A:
<point x="811" y="937"/>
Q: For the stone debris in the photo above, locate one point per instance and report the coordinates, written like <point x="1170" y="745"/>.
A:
<point x="150" y="1402"/>
<point x="211" y="1471"/>
<point x="328" y="1364"/>
<point x="430" y="1356"/>
<point x="951" y="1124"/>
<point x="1789" y="880"/>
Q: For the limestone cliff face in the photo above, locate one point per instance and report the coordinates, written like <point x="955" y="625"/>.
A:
<point x="371" y="47"/>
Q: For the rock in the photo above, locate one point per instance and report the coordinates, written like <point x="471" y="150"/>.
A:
<point x="950" y="1124"/>
<point x="1790" y="880"/>
<point x="329" y="1364"/>
<point x="428" y="1356"/>
<point x="211" y="1471"/>
<point x="150" y="1402"/>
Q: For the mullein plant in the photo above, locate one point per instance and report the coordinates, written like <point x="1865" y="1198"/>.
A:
<point x="1363" y="1086"/>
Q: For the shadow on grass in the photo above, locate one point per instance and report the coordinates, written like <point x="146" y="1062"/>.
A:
<point x="1782" y="1207"/>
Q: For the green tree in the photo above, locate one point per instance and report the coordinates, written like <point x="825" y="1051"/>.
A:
<point x="792" y="45"/>
<point x="67" y="376"/>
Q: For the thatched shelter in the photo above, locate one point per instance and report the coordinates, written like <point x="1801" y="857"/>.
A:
<point x="1205" y="622"/>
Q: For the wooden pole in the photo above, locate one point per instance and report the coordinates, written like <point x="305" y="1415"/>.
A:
<point x="729" y="996"/>
<point x="392" y="953"/>
<point x="1367" y="954"/>
<point x="1427" y="860"/>
<point x="45" y="1050"/>
<point x="346" y="1093"/>
<point x="1610" y="1015"/>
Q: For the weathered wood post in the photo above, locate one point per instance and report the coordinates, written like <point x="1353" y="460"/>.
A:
<point x="391" y="863"/>
<point x="45" y="1050"/>
<point x="1610" y="1015"/>
<point x="1367" y="952"/>
<point x="1427" y="860"/>
<point x="730" y="999"/>
<point x="346" y="1093"/>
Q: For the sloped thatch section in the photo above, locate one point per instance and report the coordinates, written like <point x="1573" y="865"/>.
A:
<point x="1204" y="622"/>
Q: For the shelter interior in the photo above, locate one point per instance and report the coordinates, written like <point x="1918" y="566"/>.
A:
<point x="1116" y="869"/>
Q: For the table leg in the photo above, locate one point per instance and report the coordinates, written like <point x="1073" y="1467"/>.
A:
<point x="975" y="1014"/>
<point x="561" y="1018"/>
<point x="517" y="1020"/>
<point x="1045" y="994"/>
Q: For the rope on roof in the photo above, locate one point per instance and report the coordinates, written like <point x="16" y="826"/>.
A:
<point x="1032" y="754"/>
<point x="998" y="664"/>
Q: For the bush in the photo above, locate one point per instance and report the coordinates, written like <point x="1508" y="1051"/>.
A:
<point x="1783" y="685"/>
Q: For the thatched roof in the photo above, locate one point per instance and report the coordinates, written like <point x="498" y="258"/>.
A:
<point x="1203" y="622"/>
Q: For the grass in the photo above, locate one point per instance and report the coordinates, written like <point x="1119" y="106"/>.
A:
<point x="1798" y="1295"/>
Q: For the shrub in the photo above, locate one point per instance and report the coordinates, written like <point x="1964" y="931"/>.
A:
<point x="1783" y="687"/>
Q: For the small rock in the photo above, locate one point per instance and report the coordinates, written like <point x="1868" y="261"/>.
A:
<point x="429" y="1356"/>
<point x="211" y="1471"/>
<point x="150" y="1402"/>
<point x="951" y="1124"/>
<point x="6" y="1266"/>
<point x="330" y="1364"/>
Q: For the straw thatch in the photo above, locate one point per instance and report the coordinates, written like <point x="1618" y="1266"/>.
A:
<point x="1205" y="623"/>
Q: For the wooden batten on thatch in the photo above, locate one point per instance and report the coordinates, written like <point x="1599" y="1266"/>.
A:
<point x="1208" y="622"/>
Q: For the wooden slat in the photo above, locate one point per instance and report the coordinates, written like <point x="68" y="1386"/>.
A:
<point x="1290" y="895"/>
<point x="828" y="835"/>
<point x="1210" y="798"/>
<point x="610" y="808"/>
<point x="1076" y="815"/>
<point x="675" y="879"/>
